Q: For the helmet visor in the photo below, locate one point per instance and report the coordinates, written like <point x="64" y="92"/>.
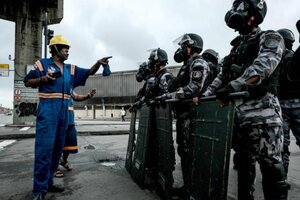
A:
<point x="183" y="41"/>
<point x="153" y="54"/>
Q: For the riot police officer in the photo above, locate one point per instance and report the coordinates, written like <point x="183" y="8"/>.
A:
<point x="157" y="84"/>
<point x="190" y="81"/>
<point x="212" y="58"/>
<point x="252" y="66"/>
<point x="143" y="73"/>
<point x="289" y="95"/>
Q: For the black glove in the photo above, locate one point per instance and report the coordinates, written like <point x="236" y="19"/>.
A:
<point x="174" y="84"/>
<point x="222" y="94"/>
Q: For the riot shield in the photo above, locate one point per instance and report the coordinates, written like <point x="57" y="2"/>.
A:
<point x="140" y="157"/>
<point x="131" y="142"/>
<point x="166" y="151"/>
<point x="212" y="130"/>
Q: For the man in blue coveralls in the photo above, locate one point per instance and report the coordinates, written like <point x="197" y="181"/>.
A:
<point x="55" y="81"/>
<point x="71" y="133"/>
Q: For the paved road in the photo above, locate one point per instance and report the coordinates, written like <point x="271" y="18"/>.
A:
<point x="99" y="169"/>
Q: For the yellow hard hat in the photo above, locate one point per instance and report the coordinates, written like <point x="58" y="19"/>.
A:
<point x="58" y="39"/>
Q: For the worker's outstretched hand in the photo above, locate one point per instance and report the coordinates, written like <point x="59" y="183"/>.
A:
<point x="93" y="92"/>
<point x="104" y="60"/>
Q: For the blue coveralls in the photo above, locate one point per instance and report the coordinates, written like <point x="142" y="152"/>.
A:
<point x="51" y="121"/>
<point x="71" y="134"/>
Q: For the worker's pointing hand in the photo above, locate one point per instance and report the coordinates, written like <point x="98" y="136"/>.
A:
<point x="104" y="60"/>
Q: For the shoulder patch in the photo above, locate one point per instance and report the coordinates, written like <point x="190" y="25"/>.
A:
<point x="272" y="40"/>
<point x="196" y="74"/>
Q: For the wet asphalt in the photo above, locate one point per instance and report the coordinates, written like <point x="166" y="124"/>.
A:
<point x="99" y="171"/>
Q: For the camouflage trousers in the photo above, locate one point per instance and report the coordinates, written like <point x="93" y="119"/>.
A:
<point x="291" y="117"/>
<point x="260" y="144"/>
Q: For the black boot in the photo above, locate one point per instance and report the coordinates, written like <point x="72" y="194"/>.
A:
<point x="55" y="188"/>
<point x="276" y="191"/>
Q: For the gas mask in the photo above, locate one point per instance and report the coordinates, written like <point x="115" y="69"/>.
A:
<point x="151" y="64"/>
<point x="191" y="40"/>
<point x="180" y="55"/>
<point x="143" y="72"/>
<point x="238" y="17"/>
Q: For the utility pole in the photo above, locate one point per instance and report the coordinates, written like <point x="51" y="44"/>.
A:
<point x="46" y="31"/>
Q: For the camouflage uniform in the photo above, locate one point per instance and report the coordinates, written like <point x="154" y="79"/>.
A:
<point x="289" y="97"/>
<point x="192" y="78"/>
<point x="257" y="134"/>
<point x="212" y="58"/>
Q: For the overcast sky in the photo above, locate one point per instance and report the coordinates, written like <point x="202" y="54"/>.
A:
<point x="127" y="29"/>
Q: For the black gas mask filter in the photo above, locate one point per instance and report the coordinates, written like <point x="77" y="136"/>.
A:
<point x="180" y="54"/>
<point x="237" y="18"/>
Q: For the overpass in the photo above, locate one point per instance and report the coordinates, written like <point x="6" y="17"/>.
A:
<point x="30" y="17"/>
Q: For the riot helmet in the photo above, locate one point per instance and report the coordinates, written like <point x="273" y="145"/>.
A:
<point x="288" y="37"/>
<point x="211" y="56"/>
<point x="143" y="72"/>
<point x="157" y="57"/>
<point x="191" y="40"/>
<point x="239" y="17"/>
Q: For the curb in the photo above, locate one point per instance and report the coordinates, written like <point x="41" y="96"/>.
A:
<point x="81" y="133"/>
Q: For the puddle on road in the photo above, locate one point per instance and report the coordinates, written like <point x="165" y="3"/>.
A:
<point x="95" y="146"/>
<point x="91" y="147"/>
<point x="101" y="156"/>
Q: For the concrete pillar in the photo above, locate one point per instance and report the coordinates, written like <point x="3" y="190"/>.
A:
<point x="103" y="108"/>
<point x="94" y="111"/>
<point x="28" y="16"/>
<point x="28" y="46"/>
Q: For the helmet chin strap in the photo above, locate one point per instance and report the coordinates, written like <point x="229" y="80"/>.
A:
<point x="60" y="54"/>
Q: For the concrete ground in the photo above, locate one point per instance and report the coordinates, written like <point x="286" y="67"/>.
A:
<point x="99" y="171"/>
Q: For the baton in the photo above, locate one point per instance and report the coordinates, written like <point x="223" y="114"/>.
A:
<point x="236" y="95"/>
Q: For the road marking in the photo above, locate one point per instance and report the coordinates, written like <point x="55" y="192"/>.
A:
<point x="108" y="164"/>
<point x="5" y="143"/>
<point x="25" y="128"/>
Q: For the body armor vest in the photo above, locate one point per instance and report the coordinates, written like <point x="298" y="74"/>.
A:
<point x="154" y="88"/>
<point x="242" y="55"/>
<point x="151" y="91"/>
<point x="289" y="80"/>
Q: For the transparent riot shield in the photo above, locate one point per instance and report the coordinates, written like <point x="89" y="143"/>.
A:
<point x="131" y="142"/>
<point x="212" y="131"/>
<point x="141" y="153"/>
<point x="166" y="152"/>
